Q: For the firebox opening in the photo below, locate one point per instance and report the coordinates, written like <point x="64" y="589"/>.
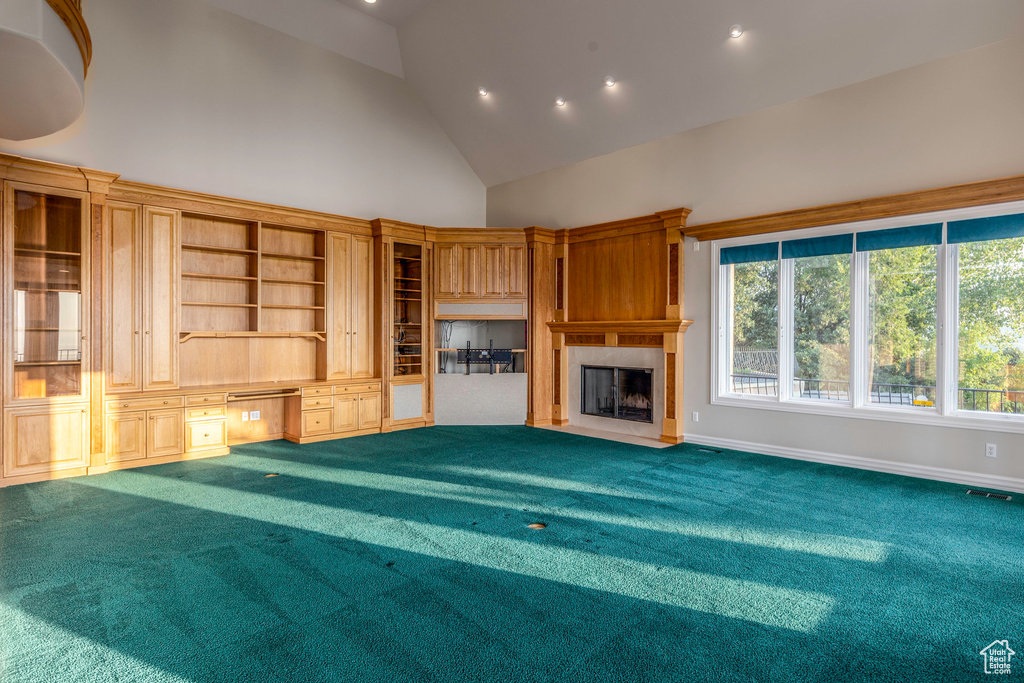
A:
<point x="620" y="393"/>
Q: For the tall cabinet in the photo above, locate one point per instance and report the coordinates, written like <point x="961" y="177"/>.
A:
<point x="47" y="312"/>
<point x="350" y="317"/>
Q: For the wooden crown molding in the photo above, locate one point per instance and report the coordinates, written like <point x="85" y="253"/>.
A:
<point x="479" y="235"/>
<point x="980" y="193"/>
<point x="400" y="230"/>
<point x="70" y="12"/>
<point x="620" y="326"/>
<point x="535" y="234"/>
<point x="186" y="200"/>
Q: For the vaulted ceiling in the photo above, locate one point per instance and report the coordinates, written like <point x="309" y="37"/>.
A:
<point x="675" y="65"/>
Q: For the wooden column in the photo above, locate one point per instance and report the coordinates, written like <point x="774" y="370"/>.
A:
<point x="539" y="357"/>
<point x="672" y="428"/>
<point x="674" y="221"/>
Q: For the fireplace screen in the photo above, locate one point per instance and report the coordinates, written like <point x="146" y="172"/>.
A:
<point x="622" y="393"/>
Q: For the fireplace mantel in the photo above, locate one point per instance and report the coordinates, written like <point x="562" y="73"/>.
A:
<point x="649" y="333"/>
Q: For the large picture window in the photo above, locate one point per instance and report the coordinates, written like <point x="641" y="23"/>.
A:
<point x="915" y="322"/>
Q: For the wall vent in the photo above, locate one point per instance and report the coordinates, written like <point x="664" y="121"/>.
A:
<point x="986" y="494"/>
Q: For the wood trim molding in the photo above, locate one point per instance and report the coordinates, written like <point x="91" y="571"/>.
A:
<point x="185" y="200"/>
<point x="630" y="226"/>
<point x="399" y="230"/>
<point x="70" y="12"/>
<point x="980" y="193"/>
<point x="479" y="235"/>
<point x="620" y="326"/>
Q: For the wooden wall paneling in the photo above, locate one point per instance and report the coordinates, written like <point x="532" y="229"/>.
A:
<point x="672" y="426"/>
<point x="282" y="359"/>
<point x="161" y="275"/>
<point x="339" y="296"/>
<point x="122" y="259"/>
<point x="493" y="276"/>
<point x="362" y="309"/>
<point x="470" y="267"/>
<point x="231" y="366"/>
<point x="271" y="424"/>
<point x="47" y="439"/>
<point x="515" y="270"/>
<point x="445" y="271"/>
<point x="96" y="352"/>
<point x="541" y="298"/>
<point x="561" y="284"/>
<point x="618" y="278"/>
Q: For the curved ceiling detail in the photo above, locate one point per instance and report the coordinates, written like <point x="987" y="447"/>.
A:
<point x="42" y="84"/>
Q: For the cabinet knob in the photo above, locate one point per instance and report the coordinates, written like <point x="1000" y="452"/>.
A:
<point x="206" y="412"/>
<point x="136" y="331"/>
<point x="206" y="435"/>
<point x="125" y="405"/>
<point x="166" y="402"/>
<point x="206" y="399"/>
<point x="147" y="331"/>
<point x="318" y="421"/>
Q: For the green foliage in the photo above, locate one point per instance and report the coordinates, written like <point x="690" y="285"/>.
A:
<point x="821" y="317"/>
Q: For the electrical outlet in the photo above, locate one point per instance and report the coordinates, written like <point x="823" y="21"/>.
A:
<point x="245" y="417"/>
<point x="696" y="416"/>
<point x="696" y="245"/>
<point x="254" y="415"/>
<point x="990" y="450"/>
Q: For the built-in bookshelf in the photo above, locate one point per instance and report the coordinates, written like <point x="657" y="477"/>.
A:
<point x="47" y="266"/>
<point x="249" y="279"/>
<point x="407" y="288"/>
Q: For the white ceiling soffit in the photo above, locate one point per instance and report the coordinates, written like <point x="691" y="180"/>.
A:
<point x="676" y="66"/>
<point x="329" y="24"/>
<point x="394" y="12"/>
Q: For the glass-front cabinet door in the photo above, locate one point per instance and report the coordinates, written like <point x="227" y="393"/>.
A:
<point x="46" y="239"/>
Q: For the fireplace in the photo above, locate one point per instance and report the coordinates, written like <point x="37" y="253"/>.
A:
<point x="619" y="393"/>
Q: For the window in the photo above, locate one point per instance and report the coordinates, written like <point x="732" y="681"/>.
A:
<point x="921" y="323"/>
<point x="752" y="275"/>
<point x="991" y="315"/>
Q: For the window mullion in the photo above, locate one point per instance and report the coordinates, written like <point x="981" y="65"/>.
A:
<point x="786" y="324"/>
<point x="859" y="331"/>
<point x="948" y="375"/>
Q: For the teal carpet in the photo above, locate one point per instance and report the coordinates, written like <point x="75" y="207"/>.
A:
<point x="407" y="557"/>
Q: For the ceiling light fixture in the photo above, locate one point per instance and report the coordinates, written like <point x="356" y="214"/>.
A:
<point x="483" y="92"/>
<point x="735" y="31"/>
<point x="609" y="81"/>
<point x="370" y="2"/>
<point x="560" y="101"/>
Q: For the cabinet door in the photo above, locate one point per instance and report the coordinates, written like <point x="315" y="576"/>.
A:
<point x="345" y="414"/>
<point x="39" y="439"/>
<point x="126" y="436"/>
<point x="165" y="434"/>
<point x="515" y="269"/>
<point x="361" y="307"/>
<point x="122" y="260"/>
<point x="339" y="297"/>
<point x="161" y="269"/>
<point x="369" y="411"/>
<point x="445" y="271"/>
<point x="469" y="270"/>
<point x="494" y="271"/>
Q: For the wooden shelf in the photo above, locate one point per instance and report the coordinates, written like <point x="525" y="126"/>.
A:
<point x="292" y="257"/>
<point x="47" y="289"/>
<point x="219" y="250"/>
<point x="216" y="304"/>
<point x="185" y="336"/>
<point x="276" y="281"/>
<point x="409" y="290"/>
<point x="215" y="276"/>
<point x="293" y="307"/>
<point x="410" y="279"/>
<point x="463" y="349"/>
<point x="41" y="363"/>
<point x="27" y="251"/>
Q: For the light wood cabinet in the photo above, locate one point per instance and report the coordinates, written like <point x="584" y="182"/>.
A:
<point x="40" y="440"/>
<point x="136" y="434"/>
<point x="349" y="346"/>
<point x="206" y="436"/>
<point x="515" y="270"/>
<point x="469" y="264"/>
<point x="165" y="433"/>
<point x="493" y="276"/>
<point x="126" y="436"/>
<point x="346" y="413"/>
<point x="122" y="262"/>
<point x="445" y="270"/>
<point x="316" y="415"/>
<point x="161" y="273"/>
<point x="369" y="410"/>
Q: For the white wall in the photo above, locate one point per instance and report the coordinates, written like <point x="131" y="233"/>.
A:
<point x="950" y="121"/>
<point x="955" y="120"/>
<point x="184" y="94"/>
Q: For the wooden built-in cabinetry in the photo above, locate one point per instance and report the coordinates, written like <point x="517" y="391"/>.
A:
<point x="326" y="412"/>
<point x="479" y="271"/>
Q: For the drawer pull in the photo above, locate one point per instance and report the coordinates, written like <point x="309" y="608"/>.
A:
<point x="125" y="405"/>
<point x="206" y="435"/>
<point x="318" y="421"/>
<point x="206" y="399"/>
<point x="206" y="412"/>
<point x="166" y="402"/>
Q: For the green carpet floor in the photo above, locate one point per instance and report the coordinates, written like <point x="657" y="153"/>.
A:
<point x="407" y="557"/>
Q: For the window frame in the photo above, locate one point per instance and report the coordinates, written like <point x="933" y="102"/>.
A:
<point x="946" y="412"/>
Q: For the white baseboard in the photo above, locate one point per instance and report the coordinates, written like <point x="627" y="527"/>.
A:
<point x="987" y="481"/>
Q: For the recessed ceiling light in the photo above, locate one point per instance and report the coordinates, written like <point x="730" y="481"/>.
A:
<point x="370" y="2"/>
<point x="483" y="92"/>
<point x="609" y="81"/>
<point x="560" y="101"/>
<point x="735" y="31"/>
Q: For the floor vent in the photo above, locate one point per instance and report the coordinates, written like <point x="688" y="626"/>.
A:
<point x="986" y="494"/>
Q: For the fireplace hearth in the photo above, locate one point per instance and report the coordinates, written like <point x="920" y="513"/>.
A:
<point x="619" y="393"/>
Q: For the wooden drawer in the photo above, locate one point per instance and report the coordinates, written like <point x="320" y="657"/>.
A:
<point x="316" y="402"/>
<point x="316" y="422"/>
<point x="206" y="413"/>
<point x="201" y="436"/>
<point x="146" y="403"/>
<point x="205" y="399"/>
<point x="316" y="391"/>
<point x="356" y="388"/>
